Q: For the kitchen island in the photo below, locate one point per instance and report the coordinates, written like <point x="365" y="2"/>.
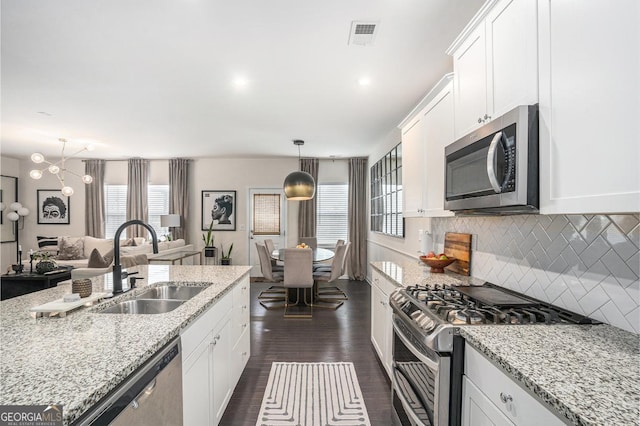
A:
<point x="77" y="360"/>
<point x="583" y="374"/>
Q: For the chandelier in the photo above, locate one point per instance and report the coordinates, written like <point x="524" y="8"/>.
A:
<point x="59" y="169"/>
<point x="299" y="185"/>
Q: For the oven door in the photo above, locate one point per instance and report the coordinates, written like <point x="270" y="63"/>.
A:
<point x="420" y="381"/>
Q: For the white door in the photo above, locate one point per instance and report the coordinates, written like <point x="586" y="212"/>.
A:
<point x="267" y="219"/>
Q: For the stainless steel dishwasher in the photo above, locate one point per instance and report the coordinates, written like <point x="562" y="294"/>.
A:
<point x="151" y="396"/>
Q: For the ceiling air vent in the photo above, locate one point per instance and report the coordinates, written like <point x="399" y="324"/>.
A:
<point x="362" y="33"/>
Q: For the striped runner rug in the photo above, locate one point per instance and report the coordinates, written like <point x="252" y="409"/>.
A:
<point x="313" y="394"/>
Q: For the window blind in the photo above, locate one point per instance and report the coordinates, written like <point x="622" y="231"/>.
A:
<point x="266" y="214"/>
<point x="116" y="207"/>
<point x="332" y="222"/>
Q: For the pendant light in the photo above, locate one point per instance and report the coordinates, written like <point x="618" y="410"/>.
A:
<point x="299" y="185"/>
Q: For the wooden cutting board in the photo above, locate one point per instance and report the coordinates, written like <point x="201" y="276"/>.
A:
<point x="458" y="246"/>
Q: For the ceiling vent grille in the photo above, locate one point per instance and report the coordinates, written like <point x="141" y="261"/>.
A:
<point x="362" y="33"/>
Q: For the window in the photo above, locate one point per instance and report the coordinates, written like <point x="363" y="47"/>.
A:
<point x="116" y="207"/>
<point x="332" y="220"/>
<point x="266" y="214"/>
<point x="386" y="194"/>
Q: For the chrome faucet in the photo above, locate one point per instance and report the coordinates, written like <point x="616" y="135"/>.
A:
<point x="118" y="273"/>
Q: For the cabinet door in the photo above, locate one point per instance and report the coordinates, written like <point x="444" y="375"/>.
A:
<point x="221" y="371"/>
<point x="470" y="82"/>
<point x="413" y="169"/>
<point x="438" y="133"/>
<point x="512" y="56"/>
<point x="377" y="321"/>
<point x="589" y="106"/>
<point x="478" y="410"/>
<point x="196" y="386"/>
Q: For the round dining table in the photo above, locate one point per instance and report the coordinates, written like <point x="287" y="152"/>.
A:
<point x="319" y="254"/>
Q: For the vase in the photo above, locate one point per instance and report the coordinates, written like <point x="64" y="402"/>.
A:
<point x="209" y="252"/>
<point x="45" y="266"/>
<point x="225" y="261"/>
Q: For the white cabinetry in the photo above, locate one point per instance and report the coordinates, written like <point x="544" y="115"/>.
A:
<point x="589" y="106"/>
<point x="425" y="133"/>
<point x="381" y="319"/>
<point x="495" y="63"/>
<point x="489" y="396"/>
<point x="215" y="351"/>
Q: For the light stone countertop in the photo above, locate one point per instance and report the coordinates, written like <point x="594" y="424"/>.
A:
<point x="589" y="375"/>
<point x="78" y="359"/>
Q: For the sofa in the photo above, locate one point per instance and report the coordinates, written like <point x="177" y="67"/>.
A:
<point x="91" y="256"/>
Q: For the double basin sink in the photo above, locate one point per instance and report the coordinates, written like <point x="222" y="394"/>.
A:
<point x="156" y="300"/>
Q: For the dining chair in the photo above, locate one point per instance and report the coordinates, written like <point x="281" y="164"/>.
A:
<point x="268" y="242"/>
<point x="298" y="273"/>
<point x="329" y="277"/>
<point x="275" y="293"/>
<point x="310" y="241"/>
<point x="327" y="267"/>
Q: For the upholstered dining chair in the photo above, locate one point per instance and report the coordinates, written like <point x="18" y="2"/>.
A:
<point x="273" y="294"/>
<point x="298" y="273"/>
<point x="329" y="277"/>
<point x="310" y="241"/>
<point x="327" y="267"/>
<point x="268" y="242"/>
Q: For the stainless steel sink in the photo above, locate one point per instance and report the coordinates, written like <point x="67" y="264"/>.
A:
<point x="172" y="292"/>
<point x="143" y="306"/>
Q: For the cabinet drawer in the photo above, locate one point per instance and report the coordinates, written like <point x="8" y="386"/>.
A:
<point x="383" y="283"/>
<point x="241" y="293"/>
<point x="521" y="407"/>
<point x="202" y="326"/>
<point x="240" y="357"/>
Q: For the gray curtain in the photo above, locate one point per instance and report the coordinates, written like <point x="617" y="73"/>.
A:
<point x="137" y="196"/>
<point x="94" y="199"/>
<point x="179" y="194"/>
<point x="358" y="218"/>
<point x="307" y="212"/>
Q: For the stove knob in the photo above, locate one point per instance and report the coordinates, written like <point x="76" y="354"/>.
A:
<point x="429" y="325"/>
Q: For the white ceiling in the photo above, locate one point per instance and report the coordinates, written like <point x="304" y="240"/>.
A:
<point x="154" y="78"/>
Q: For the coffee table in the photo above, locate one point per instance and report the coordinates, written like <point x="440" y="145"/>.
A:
<point x="14" y="285"/>
<point x="178" y="256"/>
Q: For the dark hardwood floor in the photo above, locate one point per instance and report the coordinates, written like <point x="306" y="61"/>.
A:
<point x="340" y="335"/>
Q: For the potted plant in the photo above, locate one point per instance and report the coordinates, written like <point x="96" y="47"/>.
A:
<point x="226" y="258"/>
<point x="46" y="263"/>
<point x="208" y="238"/>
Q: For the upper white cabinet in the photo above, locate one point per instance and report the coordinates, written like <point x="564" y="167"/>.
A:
<point x="589" y="106"/>
<point x="425" y="133"/>
<point x="495" y="63"/>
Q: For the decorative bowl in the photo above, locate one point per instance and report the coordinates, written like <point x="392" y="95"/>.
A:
<point x="437" y="265"/>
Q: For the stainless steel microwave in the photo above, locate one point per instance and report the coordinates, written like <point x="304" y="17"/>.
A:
<point x="494" y="170"/>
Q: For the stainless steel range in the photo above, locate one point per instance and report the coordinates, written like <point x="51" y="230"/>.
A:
<point x="428" y="353"/>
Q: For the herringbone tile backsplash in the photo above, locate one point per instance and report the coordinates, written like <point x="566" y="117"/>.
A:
<point x="585" y="263"/>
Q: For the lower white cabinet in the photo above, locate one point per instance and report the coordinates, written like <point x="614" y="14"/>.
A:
<point x="381" y="319"/>
<point x="215" y="350"/>
<point x="490" y="397"/>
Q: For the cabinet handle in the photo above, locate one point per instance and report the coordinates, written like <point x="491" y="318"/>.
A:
<point x="479" y="120"/>
<point x="244" y="353"/>
<point x="217" y="337"/>
<point x="244" y="325"/>
<point x="505" y="398"/>
<point x="487" y="117"/>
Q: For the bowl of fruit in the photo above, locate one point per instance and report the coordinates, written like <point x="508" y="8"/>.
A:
<point x="437" y="262"/>
<point x="302" y="246"/>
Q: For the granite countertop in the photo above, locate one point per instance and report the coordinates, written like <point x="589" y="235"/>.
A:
<point x="78" y="359"/>
<point x="587" y="374"/>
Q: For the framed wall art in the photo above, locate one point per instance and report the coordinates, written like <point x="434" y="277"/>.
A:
<point x="219" y="207"/>
<point x="53" y="207"/>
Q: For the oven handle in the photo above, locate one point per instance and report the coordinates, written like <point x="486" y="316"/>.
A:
<point x="407" y="408"/>
<point x="491" y="157"/>
<point x="433" y="365"/>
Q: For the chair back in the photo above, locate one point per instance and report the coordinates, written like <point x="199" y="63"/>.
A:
<point x="344" y="258"/>
<point x="268" y="242"/>
<point x="298" y="268"/>
<point x="310" y="241"/>
<point x="265" y="262"/>
<point x="339" y="243"/>
<point x="336" y="264"/>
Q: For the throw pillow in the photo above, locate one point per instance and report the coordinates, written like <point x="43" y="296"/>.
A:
<point x="70" y="249"/>
<point x="128" y="243"/>
<point x="47" y="243"/>
<point x="103" y="245"/>
<point x="96" y="260"/>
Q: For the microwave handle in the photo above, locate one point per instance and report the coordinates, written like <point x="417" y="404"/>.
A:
<point x="491" y="156"/>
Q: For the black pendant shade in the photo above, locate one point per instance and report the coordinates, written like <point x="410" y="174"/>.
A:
<point x="299" y="185"/>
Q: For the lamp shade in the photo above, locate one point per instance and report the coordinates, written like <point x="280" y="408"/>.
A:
<point x="170" y="220"/>
<point x="299" y="185"/>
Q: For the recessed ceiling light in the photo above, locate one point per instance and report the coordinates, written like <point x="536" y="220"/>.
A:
<point x="240" y="82"/>
<point x="364" y="81"/>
